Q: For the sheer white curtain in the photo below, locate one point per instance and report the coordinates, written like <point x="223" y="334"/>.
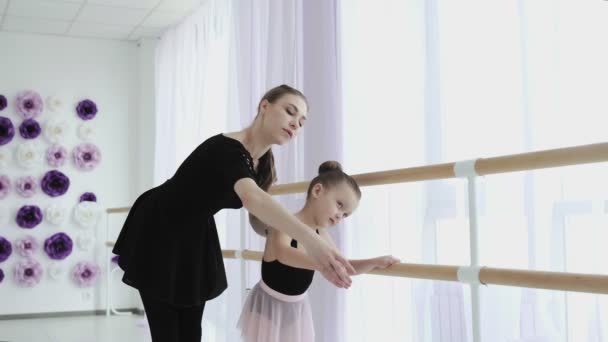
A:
<point x="437" y="81"/>
<point x="191" y="84"/>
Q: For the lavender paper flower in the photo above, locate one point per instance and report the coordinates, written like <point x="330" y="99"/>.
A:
<point x="27" y="272"/>
<point x="26" y="246"/>
<point x="85" y="274"/>
<point x="3" y="102"/>
<point x="58" y="246"/>
<point x="56" y="155"/>
<point x="86" y="156"/>
<point x="30" y="129"/>
<point x="7" y="130"/>
<point x="6" y="249"/>
<point x="29" y="216"/>
<point x="88" y="196"/>
<point x="5" y="186"/>
<point x="86" y="109"/>
<point x="26" y="186"/>
<point x="1" y="275"/>
<point x="29" y="104"/>
<point x="54" y="183"/>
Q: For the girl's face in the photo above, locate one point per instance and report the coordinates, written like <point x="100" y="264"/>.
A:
<point x="283" y="119"/>
<point x="332" y="205"/>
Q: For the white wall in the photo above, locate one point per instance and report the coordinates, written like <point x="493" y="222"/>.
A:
<point x="118" y="76"/>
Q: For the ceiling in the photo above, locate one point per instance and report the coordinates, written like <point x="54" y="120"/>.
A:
<point x="109" y="19"/>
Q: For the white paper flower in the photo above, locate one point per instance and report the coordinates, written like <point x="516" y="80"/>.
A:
<point x="55" y="214"/>
<point x="5" y="157"/>
<point x="86" y="214"/>
<point x="86" y="131"/>
<point x="55" y="130"/>
<point x="53" y="103"/>
<point x="55" y="270"/>
<point x="28" y="155"/>
<point x="85" y="242"/>
<point x="4" y="216"/>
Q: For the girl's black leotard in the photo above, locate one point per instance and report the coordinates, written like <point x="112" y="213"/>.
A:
<point x="285" y="279"/>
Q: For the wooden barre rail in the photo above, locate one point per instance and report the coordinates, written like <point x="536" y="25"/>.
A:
<point x="583" y="154"/>
<point x="577" y="282"/>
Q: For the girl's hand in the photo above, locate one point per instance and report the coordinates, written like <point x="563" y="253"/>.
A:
<point x="386" y="261"/>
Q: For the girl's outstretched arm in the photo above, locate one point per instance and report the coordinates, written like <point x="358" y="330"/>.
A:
<point x="366" y="265"/>
<point x="363" y="265"/>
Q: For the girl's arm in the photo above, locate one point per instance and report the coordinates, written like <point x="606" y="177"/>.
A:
<point x="366" y="265"/>
<point x="327" y="259"/>
<point x="363" y="265"/>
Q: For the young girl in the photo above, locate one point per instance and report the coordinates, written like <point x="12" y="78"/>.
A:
<point x="277" y="309"/>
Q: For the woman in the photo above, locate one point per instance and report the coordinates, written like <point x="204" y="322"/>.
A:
<point x="169" y="247"/>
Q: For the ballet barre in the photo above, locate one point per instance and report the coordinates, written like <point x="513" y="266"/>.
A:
<point x="562" y="281"/>
<point x="576" y="282"/>
<point x="566" y="156"/>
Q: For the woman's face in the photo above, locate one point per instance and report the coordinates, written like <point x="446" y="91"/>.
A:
<point x="283" y="119"/>
<point x="332" y="205"/>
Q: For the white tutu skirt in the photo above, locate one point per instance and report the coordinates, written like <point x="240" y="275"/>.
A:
<point x="270" y="316"/>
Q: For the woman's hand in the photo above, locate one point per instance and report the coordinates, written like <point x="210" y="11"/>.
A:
<point x="334" y="267"/>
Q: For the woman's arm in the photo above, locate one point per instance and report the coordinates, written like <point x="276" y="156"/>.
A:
<point x="294" y="257"/>
<point x="329" y="262"/>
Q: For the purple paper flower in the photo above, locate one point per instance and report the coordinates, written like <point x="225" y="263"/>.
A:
<point x="26" y="186"/>
<point x="7" y="130"/>
<point x="88" y="196"/>
<point x="58" y="246"/>
<point x="54" y="183"/>
<point x="29" y="216"/>
<point x="56" y="155"/>
<point x="115" y="259"/>
<point x="27" y="272"/>
<point x="85" y="274"/>
<point x="29" y="129"/>
<point x="1" y="275"/>
<point x="86" y="156"/>
<point x="6" y="249"/>
<point x="5" y="186"/>
<point x="2" y="102"/>
<point x="29" y="104"/>
<point x="26" y="246"/>
<point x="86" y="109"/>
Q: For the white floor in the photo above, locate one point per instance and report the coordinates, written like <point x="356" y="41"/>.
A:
<point x="76" y="329"/>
